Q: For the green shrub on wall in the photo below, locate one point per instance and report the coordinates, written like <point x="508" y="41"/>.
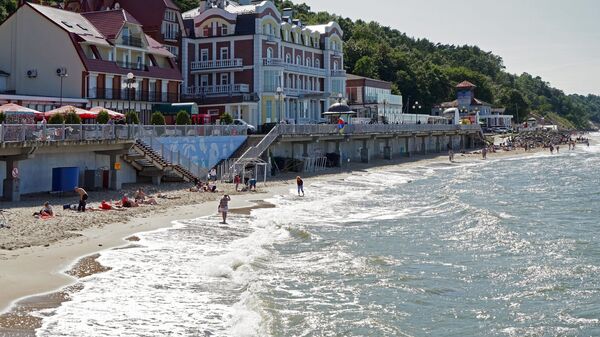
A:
<point x="157" y="118"/>
<point x="56" y="119"/>
<point x="183" y="118"/>
<point x="103" y="117"/>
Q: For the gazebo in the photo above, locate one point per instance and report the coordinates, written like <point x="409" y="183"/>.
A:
<point x="83" y="114"/>
<point x="337" y="111"/>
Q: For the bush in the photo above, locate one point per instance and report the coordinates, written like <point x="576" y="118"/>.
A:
<point x="157" y="118"/>
<point x="2" y="117"/>
<point x="71" y="117"/>
<point x="103" y="117"/>
<point x="227" y="119"/>
<point x="183" y="118"/>
<point x="56" y="119"/>
<point x="131" y="117"/>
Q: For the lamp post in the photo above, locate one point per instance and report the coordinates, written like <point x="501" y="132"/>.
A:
<point x="130" y="81"/>
<point x="416" y="106"/>
<point x="62" y="73"/>
<point x="384" y="112"/>
<point x="280" y="98"/>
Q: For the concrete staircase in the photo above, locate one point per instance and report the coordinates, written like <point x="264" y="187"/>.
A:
<point x="151" y="164"/>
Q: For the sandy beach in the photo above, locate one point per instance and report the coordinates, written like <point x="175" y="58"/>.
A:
<point x="44" y="256"/>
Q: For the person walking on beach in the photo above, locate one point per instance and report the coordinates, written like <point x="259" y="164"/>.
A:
<point x="237" y="180"/>
<point x="484" y="152"/>
<point x="224" y="207"/>
<point x="551" y="149"/>
<point x="83" y="197"/>
<point x="300" y="184"/>
<point x="450" y="153"/>
<point x="557" y="149"/>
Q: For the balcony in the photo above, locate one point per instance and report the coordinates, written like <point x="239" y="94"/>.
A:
<point x="132" y="41"/>
<point x="338" y="73"/>
<point x="295" y="92"/>
<point x="172" y="36"/>
<point x="271" y="62"/>
<point x="217" y="64"/>
<point x="218" y="90"/>
<point x="132" y="95"/>
<point x="133" y="66"/>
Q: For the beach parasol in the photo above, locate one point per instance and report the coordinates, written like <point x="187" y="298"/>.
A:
<point x="83" y="114"/>
<point x="112" y="114"/>
<point x="15" y="108"/>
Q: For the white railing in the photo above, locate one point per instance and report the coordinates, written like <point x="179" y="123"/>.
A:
<point x="298" y="92"/>
<point x="352" y="129"/>
<point x="216" y="90"/>
<point x="217" y="64"/>
<point x="338" y="73"/>
<point x="260" y="148"/>
<point x="176" y="158"/>
<point x="272" y="62"/>
<point x="15" y="133"/>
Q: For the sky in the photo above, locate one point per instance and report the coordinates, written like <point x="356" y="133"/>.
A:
<point x="558" y="40"/>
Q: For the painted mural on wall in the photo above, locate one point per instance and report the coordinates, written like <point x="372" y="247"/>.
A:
<point x="206" y="151"/>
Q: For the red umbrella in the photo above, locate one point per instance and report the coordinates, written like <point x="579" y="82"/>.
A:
<point x="83" y="114"/>
<point x="112" y="114"/>
<point x="11" y="107"/>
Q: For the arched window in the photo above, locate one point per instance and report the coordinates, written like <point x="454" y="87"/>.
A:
<point x="336" y="65"/>
<point x="269" y="53"/>
<point x="317" y="63"/>
<point x="288" y="58"/>
<point x="308" y="63"/>
<point x="298" y="60"/>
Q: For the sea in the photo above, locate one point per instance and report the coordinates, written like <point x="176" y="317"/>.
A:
<point x="501" y="247"/>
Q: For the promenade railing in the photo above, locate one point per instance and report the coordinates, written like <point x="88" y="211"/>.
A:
<point x="18" y="133"/>
<point x="357" y="129"/>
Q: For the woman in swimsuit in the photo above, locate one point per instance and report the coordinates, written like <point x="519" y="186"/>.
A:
<point x="224" y="207"/>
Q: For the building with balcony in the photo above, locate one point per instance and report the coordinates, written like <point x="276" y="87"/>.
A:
<point x="54" y="57"/>
<point x="160" y="19"/>
<point x="373" y="100"/>
<point x="258" y="64"/>
<point x="471" y="109"/>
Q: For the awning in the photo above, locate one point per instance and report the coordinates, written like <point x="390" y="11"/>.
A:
<point x="83" y="114"/>
<point x="112" y="114"/>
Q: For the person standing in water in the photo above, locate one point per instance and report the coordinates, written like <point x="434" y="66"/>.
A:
<point x="484" y="152"/>
<point x="450" y="153"/>
<point x="300" y="184"/>
<point x="224" y="207"/>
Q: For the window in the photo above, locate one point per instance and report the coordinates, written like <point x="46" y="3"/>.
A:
<point x="308" y="63"/>
<point x="204" y="81"/>
<point x="111" y="57"/>
<point x="269" y="53"/>
<point x="206" y="31"/>
<point x="224" y="53"/>
<point x="298" y="60"/>
<point x="204" y="55"/>
<point x="317" y="63"/>
<point x="269" y="112"/>
<point x="224" y="30"/>
<point x="224" y="79"/>
<point x="336" y="65"/>
<point x="139" y="61"/>
<point x="125" y="32"/>
<point x="288" y="58"/>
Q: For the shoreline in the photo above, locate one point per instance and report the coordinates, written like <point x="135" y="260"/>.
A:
<point x="35" y="272"/>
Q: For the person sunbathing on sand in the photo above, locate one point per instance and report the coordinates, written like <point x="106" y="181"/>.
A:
<point x="128" y="203"/>
<point x="141" y="198"/>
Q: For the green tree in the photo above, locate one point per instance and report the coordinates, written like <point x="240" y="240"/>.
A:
<point x="226" y="118"/>
<point x="515" y="104"/>
<point x="103" y="117"/>
<point x="157" y="118"/>
<point x="131" y="117"/>
<point x="2" y="117"/>
<point x="366" y="67"/>
<point x="56" y="119"/>
<point x="183" y="118"/>
<point x="71" y="117"/>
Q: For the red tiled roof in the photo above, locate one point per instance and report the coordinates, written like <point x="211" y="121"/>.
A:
<point x="466" y="85"/>
<point x="109" y="23"/>
<point x="149" y="12"/>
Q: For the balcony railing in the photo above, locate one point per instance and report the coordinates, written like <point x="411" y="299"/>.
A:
<point x="217" y="64"/>
<point x="132" y="41"/>
<point x="300" y="92"/>
<point x="297" y="68"/>
<point x="218" y="90"/>
<point x="171" y="36"/>
<point x="132" y="95"/>
<point x="133" y="66"/>
<point x="271" y="62"/>
<point x="338" y="73"/>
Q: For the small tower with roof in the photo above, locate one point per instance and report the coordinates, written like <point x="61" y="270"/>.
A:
<point x="465" y="93"/>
